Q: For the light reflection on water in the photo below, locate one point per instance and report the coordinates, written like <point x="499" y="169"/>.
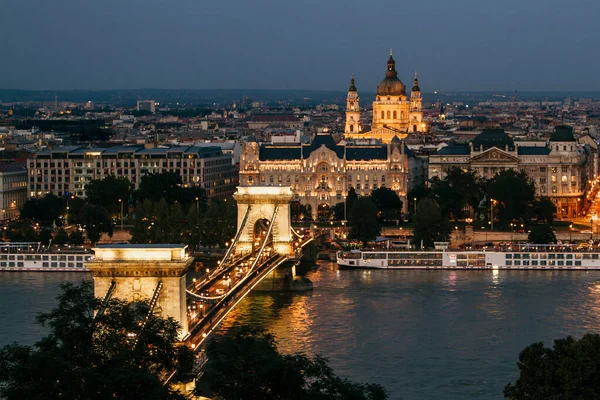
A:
<point x="422" y="334"/>
<point x="428" y="334"/>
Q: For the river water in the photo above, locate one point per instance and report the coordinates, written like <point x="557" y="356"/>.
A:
<point x="421" y="334"/>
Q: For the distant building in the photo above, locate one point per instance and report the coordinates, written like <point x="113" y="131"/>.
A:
<point x="146" y="105"/>
<point x="559" y="169"/>
<point x="13" y="188"/>
<point x="66" y="170"/>
<point x="262" y="121"/>
<point x="322" y="172"/>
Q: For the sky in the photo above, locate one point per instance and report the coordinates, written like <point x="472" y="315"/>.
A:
<point x="459" y="45"/>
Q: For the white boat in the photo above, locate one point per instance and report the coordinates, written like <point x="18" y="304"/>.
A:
<point x="524" y="257"/>
<point x="27" y="256"/>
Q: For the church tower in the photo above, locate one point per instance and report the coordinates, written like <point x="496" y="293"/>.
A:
<point x="416" y="107"/>
<point x="352" y="110"/>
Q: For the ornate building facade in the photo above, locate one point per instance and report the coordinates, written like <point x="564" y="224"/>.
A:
<point x="559" y="169"/>
<point x="394" y="114"/>
<point x="321" y="173"/>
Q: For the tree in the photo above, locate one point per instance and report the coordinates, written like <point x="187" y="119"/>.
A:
<point x="168" y="186"/>
<point x="363" y="222"/>
<point x="545" y="209"/>
<point x="456" y="191"/>
<point x="76" y="238"/>
<point x="568" y="370"/>
<point x="542" y="234"/>
<point x="245" y="364"/>
<point x="513" y="194"/>
<point x="75" y="205"/>
<point x="350" y="199"/>
<point x="388" y="203"/>
<point x="430" y="225"/>
<point x="107" y="192"/>
<point x="87" y="357"/>
<point x="158" y="186"/>
<point x="95" y="220"/>
<point x="44" y="236"/>
<point x="60" y="238"/>
<point x="21" y="232"/>
<point x="219" y="223"/>
<point x="47" y="209"/>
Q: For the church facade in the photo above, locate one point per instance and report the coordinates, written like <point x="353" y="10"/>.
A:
<point x="394" y="113"/>
<point x="322" y="172"/>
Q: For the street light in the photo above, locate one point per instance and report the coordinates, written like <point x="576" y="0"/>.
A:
<point x="492" y="213"/>
<point x="121" y="203"/>
<point x="415" y="204"/>
<point x="570" y="232"/>
<point x="197" y="205"/>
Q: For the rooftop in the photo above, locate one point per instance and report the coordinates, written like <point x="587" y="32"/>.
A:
<point x="562" y="134"/>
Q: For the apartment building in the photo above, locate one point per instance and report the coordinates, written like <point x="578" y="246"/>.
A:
<point x="13" y="188"/>
<point x="66" y="170"/>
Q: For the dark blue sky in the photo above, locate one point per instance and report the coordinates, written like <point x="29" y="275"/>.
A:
<point x="308" y="44"/>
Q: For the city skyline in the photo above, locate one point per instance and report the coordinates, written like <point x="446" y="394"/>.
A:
<point x="269" y="45"/>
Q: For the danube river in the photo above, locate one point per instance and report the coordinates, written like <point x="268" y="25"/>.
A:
<point x="421" y="334"/>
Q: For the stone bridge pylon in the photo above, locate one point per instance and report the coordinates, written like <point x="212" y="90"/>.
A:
<point x="270" y="203"/>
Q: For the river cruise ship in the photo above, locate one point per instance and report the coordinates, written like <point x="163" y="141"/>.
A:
<point x="26" y="256"/>
<point x="539" y="257"/>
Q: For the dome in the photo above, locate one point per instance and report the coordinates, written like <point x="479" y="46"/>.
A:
<point x="391" y="85"/>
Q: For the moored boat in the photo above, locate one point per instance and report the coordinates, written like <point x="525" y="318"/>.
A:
<point x="31" y="256"/>
<point x="524" y="257"/>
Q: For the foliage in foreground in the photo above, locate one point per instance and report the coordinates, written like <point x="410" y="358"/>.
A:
<point x="87" y="358"/>
<point x="245" y="364"/>
<point x="568" y="370"/>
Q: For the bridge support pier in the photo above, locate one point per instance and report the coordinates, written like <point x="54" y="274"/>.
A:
<point x="263" y="200"/>
<point x="284" y="279"/>
<point x="137" y="270"/>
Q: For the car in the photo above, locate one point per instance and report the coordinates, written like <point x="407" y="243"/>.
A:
<point x="584" y="245"/>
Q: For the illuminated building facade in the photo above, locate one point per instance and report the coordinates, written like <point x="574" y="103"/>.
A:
<point x="13" y="189"/>
<point x="321" y="173"/>
<point x="394" y="113"/>
<point x="559" y="169"/>
<point x="66" y="170"/>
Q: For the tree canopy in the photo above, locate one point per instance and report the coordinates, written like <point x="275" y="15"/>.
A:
<point x="568" y="370"/>
<point x="456" y="191"/>
<point x="47" y="209"/>
<point x="245" y="364"/>
<point x="107" y="192"/>
<point x="95" y="220"/>
<point x="542" y="234"/>
<point x="168" y="186"/>
<point x="84" y="357"/>
<point x="388" y="203"/>
<point x="513" y="194"/>
<point x="430" y="225"/>
<point x="364" y="225"/>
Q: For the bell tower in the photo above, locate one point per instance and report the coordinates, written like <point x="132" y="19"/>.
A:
<point x="416" y="107"/>
<point x="352" y="110"/>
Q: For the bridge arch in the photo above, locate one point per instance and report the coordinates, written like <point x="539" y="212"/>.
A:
<point x="271" y="203"/>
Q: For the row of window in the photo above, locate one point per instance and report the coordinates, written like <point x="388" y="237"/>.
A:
<point x="535" y="263"/>
<point x="552" y="256"/>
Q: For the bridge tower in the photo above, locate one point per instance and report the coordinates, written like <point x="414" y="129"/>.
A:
<point x="271" y="203"/>
<point x="136" y="272"/>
